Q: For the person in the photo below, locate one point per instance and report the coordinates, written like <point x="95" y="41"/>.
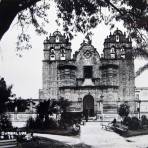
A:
<point x="76" y="128"/>
<point x="114" y="122"/>
<point x="86" y="115"/>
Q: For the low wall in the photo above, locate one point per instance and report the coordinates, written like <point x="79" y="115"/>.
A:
<point x="19" y="119"/>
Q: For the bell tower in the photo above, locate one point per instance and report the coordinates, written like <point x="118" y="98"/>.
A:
<point x="57" y="49"/>
<point x="120" y="70"/>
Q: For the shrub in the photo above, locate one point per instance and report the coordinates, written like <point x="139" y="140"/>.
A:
<point x="30" y="123"/>
<point x="127" y="121"/>
<point x="124" y="110"/>
<point x="132" y="123"/>
<point x="135" y="123"/>
<point x="39" y="123"/>
<point x="144" y="120"/>
<point x="5" y="123"/>
<point x="50" y="123"/>
<point x="68" y="118"/>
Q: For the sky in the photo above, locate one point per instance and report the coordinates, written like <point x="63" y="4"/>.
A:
<point x="25" y="73"/>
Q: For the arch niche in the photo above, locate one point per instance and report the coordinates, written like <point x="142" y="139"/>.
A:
<point x="88" y="105"/>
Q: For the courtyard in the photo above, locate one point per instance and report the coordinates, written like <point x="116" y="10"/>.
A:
<point x="93" y="135"/>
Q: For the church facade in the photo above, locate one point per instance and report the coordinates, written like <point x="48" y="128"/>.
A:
<point x="93" y="83"/>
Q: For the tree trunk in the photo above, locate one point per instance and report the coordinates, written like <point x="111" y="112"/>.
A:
<point x="8" y="11"/>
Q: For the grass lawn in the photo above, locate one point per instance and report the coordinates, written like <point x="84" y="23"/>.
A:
<point x="38" y="142"/>
<point x="55" y="132"/>
<point x="138" y="132"/>
<point x="130" y="133"/>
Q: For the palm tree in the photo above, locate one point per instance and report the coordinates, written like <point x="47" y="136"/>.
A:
<point x="21" y="104"/>
<point x="46" y="108"/>
<point x="5" y="93"/>
<point x="63" y="104"/>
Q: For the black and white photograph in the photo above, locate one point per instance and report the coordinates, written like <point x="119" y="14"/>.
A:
<point x="73" y="73"/>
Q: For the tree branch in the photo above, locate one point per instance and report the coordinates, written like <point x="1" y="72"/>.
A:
<point x="8" y="11"/>
<point x="127" y="14"/>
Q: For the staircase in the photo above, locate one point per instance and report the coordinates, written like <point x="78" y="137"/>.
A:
<point x="106" y="117"/>
<point x="109" y="117"/>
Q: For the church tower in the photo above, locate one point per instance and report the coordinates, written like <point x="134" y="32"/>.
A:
<point x="118" y="65"/>
<point x="57" y="49"/>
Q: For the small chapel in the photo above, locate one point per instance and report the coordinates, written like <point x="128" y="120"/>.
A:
<point x="93" y="83"/>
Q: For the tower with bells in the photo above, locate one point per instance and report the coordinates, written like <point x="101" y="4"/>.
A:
<point x="57" y="50"/>
<point x="118" y="66"/>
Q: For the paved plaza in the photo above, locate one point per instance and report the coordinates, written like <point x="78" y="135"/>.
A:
<point x="92" y="134"/>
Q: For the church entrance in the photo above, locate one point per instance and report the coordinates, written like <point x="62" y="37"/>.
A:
<point x="88" y="106"/>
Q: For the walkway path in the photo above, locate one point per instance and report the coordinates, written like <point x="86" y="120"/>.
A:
<point x="92" y="134"/>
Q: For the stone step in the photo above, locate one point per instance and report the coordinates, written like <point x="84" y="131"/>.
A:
<point x="109" y="117"/>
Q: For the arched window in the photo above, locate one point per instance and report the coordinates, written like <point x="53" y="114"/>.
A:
<point x="112" y="52"/>
<point x="117" y="38"/>
<point x="122" y="52"/>
<point x="57" y="39"/>
<point x="62" y="54"/>
<point x="52" y="54"/>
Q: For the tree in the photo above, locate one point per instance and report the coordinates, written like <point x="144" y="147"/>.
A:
<point x="87" y="14"/>
<point x="81" y="16"/>
<point x="63" y="104"/>
<point x="5" y="93"/>
<point x="21" y="105"/>
<point x="46" y="108"/>
<point x="124" y="110"/>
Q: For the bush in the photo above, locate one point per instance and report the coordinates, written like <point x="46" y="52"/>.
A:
<point x="30" y="123"/>
<point x="50" y="123"/>
<point x="39" y="123"/>
<point x="144" y="120"/>
<point x="132" y="123"/>
<point x="135" y="124"/>
<point x="124" y="110"/>
<point x="127" y="121"/>
<point x="68" y="118"/>
<point x="5" y="123"/>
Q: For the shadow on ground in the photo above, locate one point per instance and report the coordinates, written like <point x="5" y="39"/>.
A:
<point x="39" y="142"/>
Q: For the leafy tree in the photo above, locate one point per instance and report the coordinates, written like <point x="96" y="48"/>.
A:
<point x="21" y="105"/>
<point x="46" y="108"/>
<point x="124" y="110"/>
<point x="5" y="123"/>
<point x="5" y="93"/>
<point x="63" y="104"/>
<point x="81" y="16"/>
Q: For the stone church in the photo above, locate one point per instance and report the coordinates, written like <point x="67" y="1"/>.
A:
<point x="96" y="84"/>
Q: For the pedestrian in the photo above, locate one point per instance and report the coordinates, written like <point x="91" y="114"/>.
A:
<point x="114" y="122"/>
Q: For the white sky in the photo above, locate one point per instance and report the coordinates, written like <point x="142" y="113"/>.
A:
<point x="25" y="74"/>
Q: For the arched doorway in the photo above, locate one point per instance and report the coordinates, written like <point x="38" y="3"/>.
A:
<point x="88" y="105"/>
